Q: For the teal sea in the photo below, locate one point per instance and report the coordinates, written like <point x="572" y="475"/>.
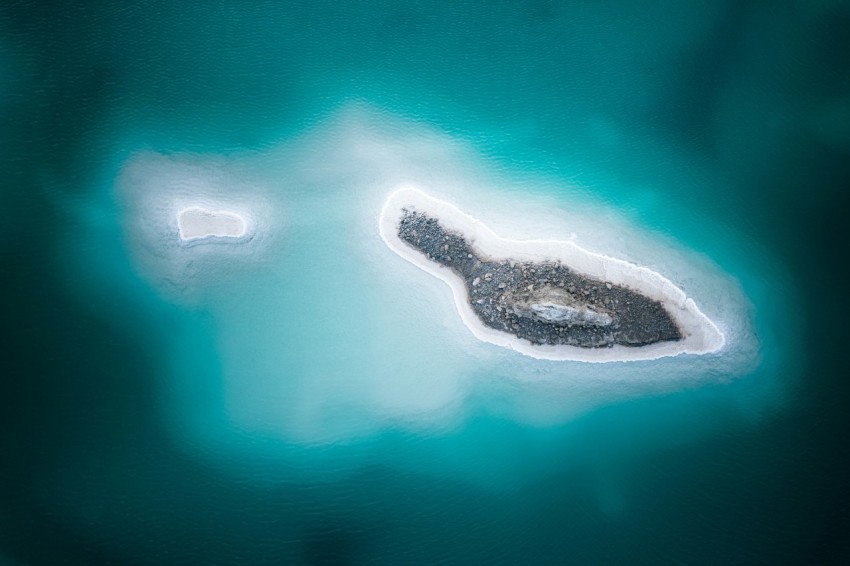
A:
<point x="309" y="397"/>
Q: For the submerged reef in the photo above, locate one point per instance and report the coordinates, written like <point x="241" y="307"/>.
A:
<point x="542" y="302"/>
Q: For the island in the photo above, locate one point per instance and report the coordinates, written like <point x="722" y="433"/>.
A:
<point x="547" y="299"/>
<point x="201" y="224"/>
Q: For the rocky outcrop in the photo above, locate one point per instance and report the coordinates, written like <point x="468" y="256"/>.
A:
<point x="555" y="306"/>
<point x="544" y="303"/>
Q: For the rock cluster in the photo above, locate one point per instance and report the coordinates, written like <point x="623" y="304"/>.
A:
<point x="544" y="303"/>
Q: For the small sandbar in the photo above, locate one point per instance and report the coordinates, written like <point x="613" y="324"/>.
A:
<point x="196" y="224"/>
<point x="580" y="332"/>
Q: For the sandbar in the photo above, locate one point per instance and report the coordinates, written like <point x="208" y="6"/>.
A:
<point x="197" y="223"/>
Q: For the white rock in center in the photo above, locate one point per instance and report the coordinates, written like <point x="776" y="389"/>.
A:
<point x="564" y="314"/>
<point x="196" y="223"/>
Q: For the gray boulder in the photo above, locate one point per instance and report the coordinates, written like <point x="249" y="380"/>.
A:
<point x="554" y="306"/>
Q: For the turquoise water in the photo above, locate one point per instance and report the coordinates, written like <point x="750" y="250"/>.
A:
<point x="309" y="396"/>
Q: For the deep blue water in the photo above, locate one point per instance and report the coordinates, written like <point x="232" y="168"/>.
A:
<point x="312" y="398"/>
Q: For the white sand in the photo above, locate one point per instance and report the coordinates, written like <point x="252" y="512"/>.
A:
<point x="196" y="223"/>
<point x="701" y="335"/>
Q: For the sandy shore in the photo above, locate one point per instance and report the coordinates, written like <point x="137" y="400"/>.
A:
<point x="699" y="334"/>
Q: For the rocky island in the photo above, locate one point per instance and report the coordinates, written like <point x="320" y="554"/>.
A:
<point x="547" y="299"/>
<point x="544" y="303"/>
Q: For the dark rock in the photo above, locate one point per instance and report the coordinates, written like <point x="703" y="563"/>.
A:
<point x="544" y="303"/>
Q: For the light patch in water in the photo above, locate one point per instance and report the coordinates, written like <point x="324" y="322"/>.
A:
<point x="171" y="204"/>
<point x="315" y="332"/>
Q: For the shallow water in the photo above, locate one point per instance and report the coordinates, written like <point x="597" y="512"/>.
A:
<point x="308" y="396"/>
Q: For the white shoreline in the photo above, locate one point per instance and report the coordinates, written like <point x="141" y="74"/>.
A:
<point x="196" y="224"/>
<point x="701" y="335"/>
